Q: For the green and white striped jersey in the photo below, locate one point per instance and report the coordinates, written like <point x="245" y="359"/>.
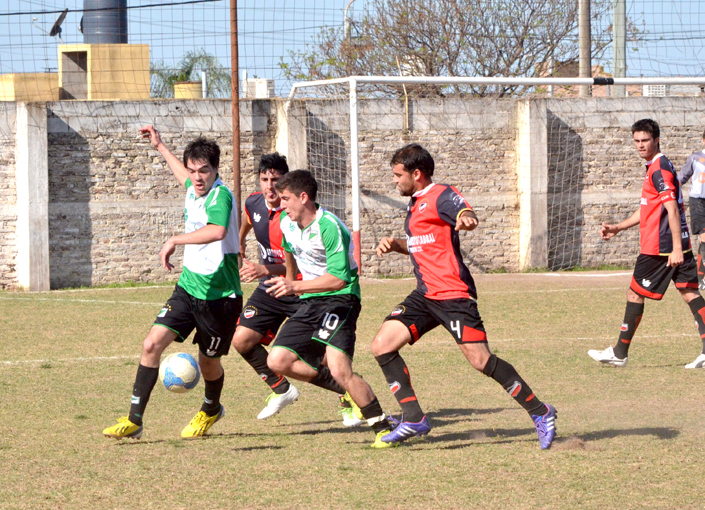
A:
<point x="211" y="270"/>
<point x="322" y="247"/>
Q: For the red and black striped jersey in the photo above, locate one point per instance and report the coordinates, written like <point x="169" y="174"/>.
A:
<point x="660" y="186"/>
<point x="434" y="244"/>
<point x="265" y="223"/>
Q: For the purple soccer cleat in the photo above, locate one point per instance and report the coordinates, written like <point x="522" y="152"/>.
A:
<point x="404" y="430"/>
<point x="546" y="427"/>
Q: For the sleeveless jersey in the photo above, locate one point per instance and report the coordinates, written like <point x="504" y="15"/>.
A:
<point x="211" y="270"/>
<point x="694" y="167"/>
<point x="660" y="186"/>
<point x="434" y="244"/>
<point x="324" y="246"/>
<point x="266" y="224"/>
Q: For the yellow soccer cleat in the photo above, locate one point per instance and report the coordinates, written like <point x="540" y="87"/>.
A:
<point x="352" y="416"/>
<point x="201" y="423"/>
<point x="124" y="428"/>
<point x="381" y="444"/>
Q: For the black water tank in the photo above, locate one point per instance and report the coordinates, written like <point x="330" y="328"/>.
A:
<point x="105" y="21"/>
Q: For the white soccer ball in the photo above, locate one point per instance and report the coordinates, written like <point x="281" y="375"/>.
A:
<point x="179" y="372"/>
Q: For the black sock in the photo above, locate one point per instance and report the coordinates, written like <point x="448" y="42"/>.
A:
<point x="211" y="401"/>
<point x="145" y="380"/>
<point x="697" y="307"/>
<point x="701" y="262"/>
<point x="507" y="376"/>
<point x="632" y="318"/>
<point x="324" y="379"/>
<point x="257" y="359"/>
<point x="373" y="411"/>
<point x="399" y="381"/>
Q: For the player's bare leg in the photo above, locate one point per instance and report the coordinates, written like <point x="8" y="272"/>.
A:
<point x="285" y="362"/>
<point x="341" y="367"/>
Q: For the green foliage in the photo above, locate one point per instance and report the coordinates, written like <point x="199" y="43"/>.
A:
<point x="163" y="76"/>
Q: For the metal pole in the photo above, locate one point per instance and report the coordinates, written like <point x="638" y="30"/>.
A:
<point x="355" y="175"/>
<point x="347" y="22"/>
<point x="620" y="46"/>
<point x="585" y="47"/>
<point x="234" y="77"/>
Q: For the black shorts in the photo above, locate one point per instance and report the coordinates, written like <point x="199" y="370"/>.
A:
<point x="697" y="215"/>
<point x="214" y="320"/>
<point x="652" y="275"/>
<point x="459" y="316"/>
<point x="264" y="314"/>
<point x="319" y="323"/>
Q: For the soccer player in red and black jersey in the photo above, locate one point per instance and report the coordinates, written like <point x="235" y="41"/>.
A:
<point x="263" y="314"/>
<point x="445" y="295"/>
<point x="666" y="253"/>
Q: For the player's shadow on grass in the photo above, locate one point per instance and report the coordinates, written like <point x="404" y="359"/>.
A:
<point x="480" y="437"/>
<point x="448" y="416"/>
<point x="659" y="433"/>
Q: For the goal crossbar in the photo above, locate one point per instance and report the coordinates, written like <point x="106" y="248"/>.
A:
<point x="353" y="81"/>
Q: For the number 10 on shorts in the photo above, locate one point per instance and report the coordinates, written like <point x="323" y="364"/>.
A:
<point x="329" y="323"/>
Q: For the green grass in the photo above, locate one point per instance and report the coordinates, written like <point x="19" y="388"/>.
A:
<point x="630" y="438"/>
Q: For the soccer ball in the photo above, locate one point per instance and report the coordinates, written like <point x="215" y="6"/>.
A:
<point x="179" y="372"/>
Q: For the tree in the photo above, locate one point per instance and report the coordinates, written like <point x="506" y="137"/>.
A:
<point x="163" y="77"/>
<point x="503" y="38"/>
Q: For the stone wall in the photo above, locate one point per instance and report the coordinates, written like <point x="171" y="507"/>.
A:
<point x="113" y="201"/>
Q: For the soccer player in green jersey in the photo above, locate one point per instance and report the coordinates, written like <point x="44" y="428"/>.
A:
<point x="207" y="297"/>
<point x="319" y="245"/>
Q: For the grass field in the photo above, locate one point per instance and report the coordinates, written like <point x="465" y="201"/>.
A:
<point x="628" y="438"/>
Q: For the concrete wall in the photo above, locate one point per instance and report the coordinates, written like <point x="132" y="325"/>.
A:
<point x="8" y="196"/>
<point x="113" y="201"/>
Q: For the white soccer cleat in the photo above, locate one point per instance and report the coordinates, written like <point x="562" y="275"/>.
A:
<point x="276" y="403"/>
<point x="607" y="357"/>
<point x="698" y="363"/>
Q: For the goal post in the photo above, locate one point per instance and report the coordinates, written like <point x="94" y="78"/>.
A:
<point x="319" y="128"/>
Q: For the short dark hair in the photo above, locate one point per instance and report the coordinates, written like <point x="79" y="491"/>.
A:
<point x="414" y="156"/>
<point x="274" y="161"/>
<point x="647" y="126"/>
<point x="297" y="182"/>
<point x="703" y="135"/>
<point x="202" y="149"/>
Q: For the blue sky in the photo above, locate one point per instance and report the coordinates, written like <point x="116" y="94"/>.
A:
<point x="270" y="28"/>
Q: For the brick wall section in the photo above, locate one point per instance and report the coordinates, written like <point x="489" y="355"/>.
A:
<point x="113" y="201"/>
<point x="609" y="186"/>
<point x="8" y="202"/>
<point x="473" y="145"/>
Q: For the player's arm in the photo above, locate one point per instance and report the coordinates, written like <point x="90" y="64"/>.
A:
<point x="467" y="220"/>
<point x="390" y="244"/>
<point x="608" y="231"/>
<point x="284" y="287"/>
<point x="686" y="170"/>
<point x="208" y="234"/>
<point x="674" y="221"/>
<point x="244" y="230"/>
<point x="176" y="166"/>
<point x="290" y="266"/>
